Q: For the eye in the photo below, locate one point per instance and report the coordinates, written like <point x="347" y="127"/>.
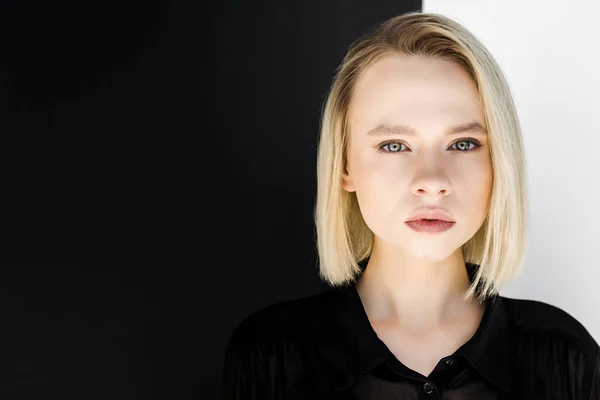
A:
<point x="462" y="146"/>
<point x="394" y="147"/>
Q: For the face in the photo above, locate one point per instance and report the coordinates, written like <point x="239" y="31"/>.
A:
<point x="394" y="172"/>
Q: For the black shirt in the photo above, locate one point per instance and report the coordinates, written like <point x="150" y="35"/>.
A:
<point x="324" y="347"/>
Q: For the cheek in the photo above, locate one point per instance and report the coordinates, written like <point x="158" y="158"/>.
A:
<point x="382" y="190"/>
<point x="479" y="184"/>
<point x="382" y="180"/>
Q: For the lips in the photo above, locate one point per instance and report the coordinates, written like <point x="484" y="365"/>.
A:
<point x="430" y="226"/>
<point x="431" y="214"/>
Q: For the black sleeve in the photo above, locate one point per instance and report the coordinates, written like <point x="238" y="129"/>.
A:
<point x="248" y="370"/>
<point x="237" y="373"/>
<point x="595" y="391"/>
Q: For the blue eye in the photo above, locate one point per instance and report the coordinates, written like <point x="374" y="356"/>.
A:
<point x="460" y="149"/>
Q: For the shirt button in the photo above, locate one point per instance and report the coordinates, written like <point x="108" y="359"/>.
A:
<point x="450" y="361"/>
<point x="428" y="388"/>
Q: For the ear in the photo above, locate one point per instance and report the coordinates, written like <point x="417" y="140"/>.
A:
<point x="347" y="182"/>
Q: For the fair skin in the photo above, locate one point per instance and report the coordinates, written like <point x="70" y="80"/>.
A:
<point x="412" y="286"/>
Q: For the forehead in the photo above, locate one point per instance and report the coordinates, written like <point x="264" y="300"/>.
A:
<point x="401" y="89"/>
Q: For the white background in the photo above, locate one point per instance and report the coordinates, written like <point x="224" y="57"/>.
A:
<point x="548" y="51"/>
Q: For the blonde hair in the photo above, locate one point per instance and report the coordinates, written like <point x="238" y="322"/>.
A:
<point x="343" y="238"/>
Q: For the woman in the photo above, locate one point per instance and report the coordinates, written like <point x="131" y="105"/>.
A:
<point x="421" y="216"/>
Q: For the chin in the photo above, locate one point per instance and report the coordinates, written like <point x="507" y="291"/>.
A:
<point x="430" y="252"/>
<point x="431" y="257"/>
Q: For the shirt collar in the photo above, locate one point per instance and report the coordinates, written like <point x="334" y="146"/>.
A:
<point x="361" y="349"/>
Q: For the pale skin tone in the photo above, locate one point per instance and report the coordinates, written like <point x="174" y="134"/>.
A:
<point x="412" y="286"/>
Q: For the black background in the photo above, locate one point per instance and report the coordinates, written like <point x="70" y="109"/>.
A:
<point x="157" y="184"/>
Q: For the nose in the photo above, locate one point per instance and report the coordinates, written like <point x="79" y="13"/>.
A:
<point x="430" y="179"/>
<point x="434" y="184"/>
<point x="431" y="189"/>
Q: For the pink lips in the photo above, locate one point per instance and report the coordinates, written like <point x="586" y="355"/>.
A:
<point x="430" y="220"/>
<point x="433" y="226"/>
<point x="431" y="213"/>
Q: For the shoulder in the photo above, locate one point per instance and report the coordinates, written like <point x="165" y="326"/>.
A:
<point x="296" y="318"/>
<point x="534" y="317"/>
<point x="278" y="348"/>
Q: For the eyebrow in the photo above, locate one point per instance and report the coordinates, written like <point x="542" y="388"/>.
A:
<point x="385" y="130"/>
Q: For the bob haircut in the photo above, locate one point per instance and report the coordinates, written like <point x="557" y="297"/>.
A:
<point x="343" y="238"/>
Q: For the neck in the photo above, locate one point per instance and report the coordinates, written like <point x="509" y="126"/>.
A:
<point x="416" y="295"/>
